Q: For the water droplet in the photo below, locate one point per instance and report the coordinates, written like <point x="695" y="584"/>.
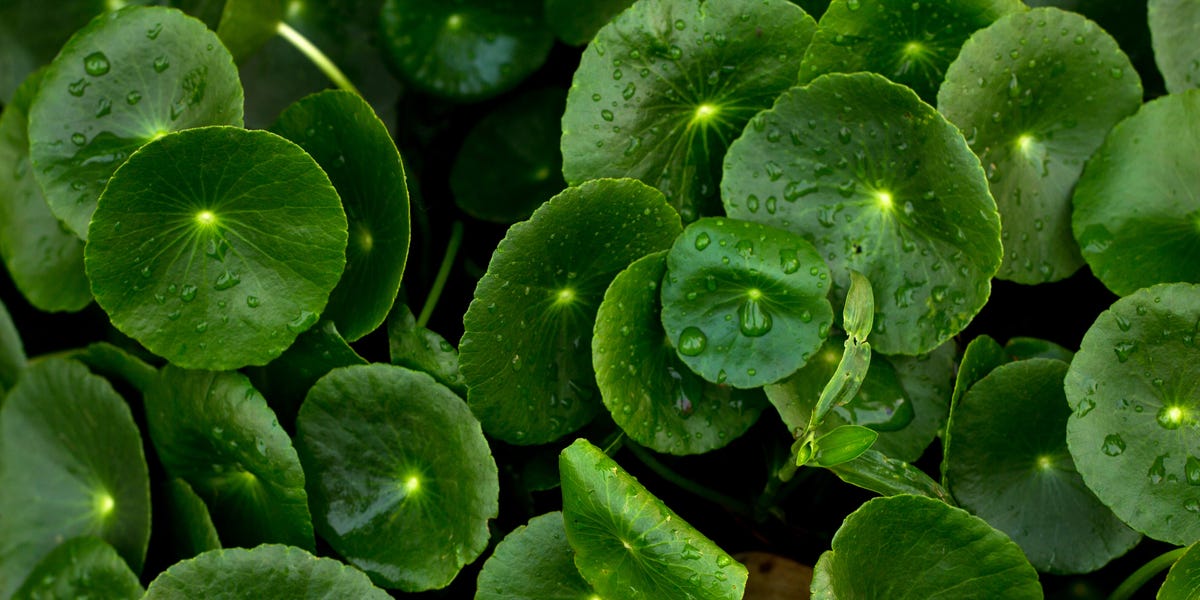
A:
<point x="617" y="74"/>
<point x="1123" y="350"/>
<point x="752" y="203"/>
<point x="78" y="139"/>
<point x="629" y="91"/>
<point x="1191" y="469"/>
<point x="188" y="292"/>
<point x="702" y="241"/>
<point x="753" y="320"/>
<point x="133" y="97"/>
<point x="1157" y="470"/>
<point x="692" y="341"/>
<point x="844" y="135"/>
<point x="252" y="301"/>
<point x="852" y="4"/>
<point x="302" y="322"/>
<point x="774" y="171"/>
<point x="78" y="87"/>
<point x="516" y="362"/>
<point x="103" y="107"/>
<point x="153" y="32"/>
<point x="1117" y="73"/>
<point x="227" y="280"/>
<point x="606" y="114"/>
<point x="789" y="261"/>
<point x="201" y="327"/>
<point x="96" y="64"/>
<point x="161" y="63"/>
<point x="1113" y="445"/>
<point x="798" y="189"/>
<point x="1079" y="40"/>
<point x="174" y="315"/>
<point x="1192" y="505"/>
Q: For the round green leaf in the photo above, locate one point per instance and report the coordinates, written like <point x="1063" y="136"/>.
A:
<point x="881" y="184"/>
<point x="510" y="163"/>
<point x="215" y="247"/>
<point x="82" y="567"/>
<point x="268" y="572"/>
<point x="908" y="42"/>
<point x="652" y="395"/>
<point x="127" y="78"/>
<point x="44" y="260"/>
<point x="1184" y="577"/>
<point x="1174" y="27"/>
<point x="1034" y="117"/>
<point x="1161" y="229"/>
<point x="629" y="544"/>
<point x="465" y="49"/>
<point x="668" y="84"/>
<point x="1009" y="465"/>
<point x="576" y="23"/>
<point x="71" y="464"/>
<point x="912" y="547"/>
<point x="113" y="362"/>
<point x="533" y="561"/>
<point x="403" y="482"/>
<point x="525" y="351"/>
<point x="12" y="352"/>
<point x="1133" y="432"/>
<point x="420" y="349"/>
<point x="743" y="303"/>
<point x="215" y="431"/>
<point x="189" y="526"/>
<point x="341" y="132"/>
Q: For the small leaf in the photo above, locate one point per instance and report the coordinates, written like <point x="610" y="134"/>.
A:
<point x="420" y="349"/>
<point x="845" y="443"/>
<point x="859" y="312"/>
<point x="884" y="475"/>
<point x="533" y="561"/>
<point x="82" y="567"/>
<point x="846" y="380"/>
<point x="628" y="543"/>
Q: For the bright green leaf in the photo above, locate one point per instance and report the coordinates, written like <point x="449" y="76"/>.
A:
<point x="403" y="482"/>
<point x="127" y="78"/>
<point x="71" y="464"/>
<point x="743" y="303"/>
<point x="526" y="349"/>
<point x="884" y="475"/>
<point x="82" y="567"/>
<point x="628" y="544"/>
<point x="1133" y="390"/>
<point x="1174" y="28"/>
<point x="858" y="314"/>
<point x="665" y="87"/>
<point x="533" y="561"/>
<point x="847" y="163"/>
<point x="215" y="431"/>
<point x="655" y="398"/>
<point x="1183" y="580"/>
<point x="843" y="444"/>
<point x="215" y="247"/>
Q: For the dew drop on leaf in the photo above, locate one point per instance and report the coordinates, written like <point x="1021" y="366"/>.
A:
<point x="1113" y="445"/>
<point x="692" y="341"/>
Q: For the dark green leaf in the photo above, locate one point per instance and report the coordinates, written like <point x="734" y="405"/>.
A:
<point x="908" y="42"/>
<point x="111" y="361"/>
<point x="127" y="78"/>
<point x="1009" y="465"/>
<point x="916" y="548"/>
<point x="510" y="163"/>
<point x="526" y="350"/>
<point x="188" y="523"/>
<point x="667" y="84"/>
<point x="881" y="474"/>
<point x="268" y="572"/>
<point x="215" y="247"/>
<point x="655" y="398"/>
<point x="533" y="561"/>
<point x="12" y="352"/>
<point x="71" y="464"/>
<point x="847" y="162"/>
<point x="466" y="49"/>
<point x="1034" y="117"/>
<point x="420" y="349"/>
<point x="403" y="482"/>
<point x="341" y="132"/>
<point x="1021" y="348"/>
<point x="982" y="355"/>
<point x="44" y="259"/>
<point x="1160" y="229"/>
<point x="928" y="379"/>
<point x="629" y="544"/>
<point x="215" y="431"/>
<point x="82" y="567"/>
<point x="1133" y="390"/>
<point x="1183" y="580"/>
<point x="576" y="23"/>
<point x="843" y="444"/>
<point x="1174" y="27"/>
<point x="247" y="24"/>
<point x="743" y="303"/>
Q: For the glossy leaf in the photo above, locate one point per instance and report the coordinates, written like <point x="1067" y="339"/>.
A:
<point x="652" y="395"/>
<point x="420" y="349"/>
<point x="1174" y="26"/>
<point x="911" y="43"/>
<point x="12" y="352"/>
<point x="113" y="362"/>
<point x="215" y="431"/>
<point x="1135" y="415"/>
<point x="744" y="303"/>
<point x="932" y="551"/>
<point x="1160" y="229"/>
<point x="124" y="80"/>
<point x="667" y="84"/>
<point x="215" y="247"/>
<point x="525" y="351"/>
<point x="1034" y="117"/>
<point x="576" y="23"/>
<point x="465" y="49"/>
<point x="71" y="464"/>
<point x="509" y="163"/>
<point x="44" y="260"/>
<point x="189" y="524"/>
<point x="268" y="572"/>
<point x="886" y="476"/>
<point x="982" y="356"/>
<point x="533" y="561"/>
<point x="1183" y="580"/>
<point x="858" y="314"/>
<point x="629" y="544"/>
<point x="847" y="163"/>
<point x="82" y="567"/>
<point x="403" y="482"/>
<point x="1007" y="462"/>
<point x="341" y="132"/>
<point x="248" y="24"/>
<point x="843" y="444"/>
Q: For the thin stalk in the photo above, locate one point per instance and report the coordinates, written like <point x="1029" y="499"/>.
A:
<point x="1134" y="582"/>
<point x="439" y="281"/>
<point x="684" y="483"/>
<point x="317" y="57"/>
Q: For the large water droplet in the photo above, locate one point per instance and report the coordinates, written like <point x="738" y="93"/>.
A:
<point x="227" y="280"/>
<point x="745" y="248"/>
<point x="1123" y="350"/>
<point x="96" y="64"/>
<point x="789" y="261"/>
<point x="692" y="341"/>
<point x="753" y="320"/>
<point x="1157" y="471"/>
<point x="252" y="301"/>
<point x="161" y="63"/>
<point x="188" y="292"/>
<point x="1113" y="445"/>
<point x="702" y="241"/>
